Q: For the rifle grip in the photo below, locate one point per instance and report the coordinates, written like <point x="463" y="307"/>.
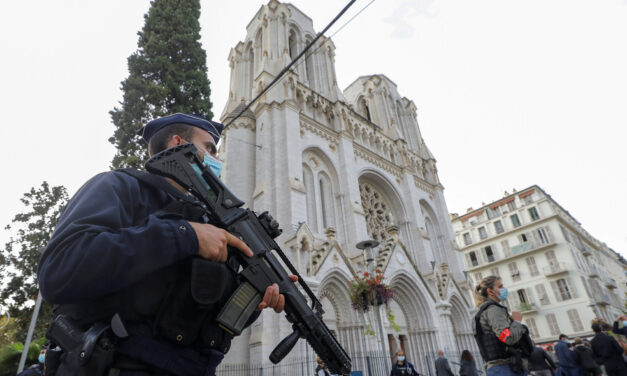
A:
<point x="238" y="309"/>
<point x="284" y="347"/>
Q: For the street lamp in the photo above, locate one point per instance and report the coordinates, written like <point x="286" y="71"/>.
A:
<point x="367" y="246"/>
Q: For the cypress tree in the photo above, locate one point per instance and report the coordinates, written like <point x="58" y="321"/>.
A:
<point x="167" y="74"/>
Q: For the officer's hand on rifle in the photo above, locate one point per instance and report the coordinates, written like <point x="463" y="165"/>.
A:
<point x="213" y="242"/>
<point x="272" y="298"/>
<point x="213" y="245"/>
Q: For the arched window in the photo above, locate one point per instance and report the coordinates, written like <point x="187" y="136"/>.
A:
<point x="308" y="180"/>
<point x="251" y="72"/>
<point x="363" y="108"/>
<point x="432" y="240"/>
<point x="258" y="49"/>
<point x="326" y="201"/>
<point x="292" y="45"/>
<point x="309" y="67"/>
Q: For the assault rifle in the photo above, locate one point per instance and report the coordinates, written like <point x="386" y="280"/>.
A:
<point x="259" y="271"/>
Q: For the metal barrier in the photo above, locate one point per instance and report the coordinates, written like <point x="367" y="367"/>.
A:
<point x="372" y="364"/>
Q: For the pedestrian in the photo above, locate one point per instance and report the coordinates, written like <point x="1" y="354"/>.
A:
<point x="551" y="351"/>
<point x="442" y="368"/>
<point x="620" y="325"/>
<point x="567" y="358"/>
<point x="502" y="339"/>
<point x="36" y="369"/>
<point x="607" y="352"/>
<point x="321" y="368"/>
<point x="585" y="359"/>
<point x="402" y="367"/>
<point x="124" y="248"/>
<point x="541" y="363"/>
<point x="467" y="365"/>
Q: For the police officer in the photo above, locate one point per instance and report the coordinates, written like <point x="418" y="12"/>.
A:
<point x="499" y="335"/>
<point x="402" y="367"/>
<point x="128" y="248"/>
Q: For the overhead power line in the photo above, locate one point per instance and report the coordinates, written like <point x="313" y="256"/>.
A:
<point x="287" y="67"/>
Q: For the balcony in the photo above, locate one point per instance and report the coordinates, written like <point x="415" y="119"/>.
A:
<point x="610" y="283"/>
<point x="602" y="299"/>
<point x="555" y="269"/>
<point x="585" y="251"/>
<point x="593" y="271"/>
<point x="526" y="308"/>
<point x="521" y="248"/>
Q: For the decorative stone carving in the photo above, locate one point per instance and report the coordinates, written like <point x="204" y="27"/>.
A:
<point x="442" y="277"/>
<point x="378" y="213"/>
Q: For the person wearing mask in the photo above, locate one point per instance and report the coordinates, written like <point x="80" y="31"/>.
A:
<point x="540" y="363"/>
<point x="620" y="325"/>
<point x="36" y="369"/>
<point x="402" y="367"/>
<point x="503" y="341"/>
<point x="607" y="352"/>
<point x="585" y="359"/>
<point x="567" y="358"/>
<point x="125" y="248"/>
<point x="467" y="364"/>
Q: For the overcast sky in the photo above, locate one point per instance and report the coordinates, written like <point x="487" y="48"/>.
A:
<point x="509" y="93"/>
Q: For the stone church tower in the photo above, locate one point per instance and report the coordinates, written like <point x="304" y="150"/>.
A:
<point x="334" y="168"/>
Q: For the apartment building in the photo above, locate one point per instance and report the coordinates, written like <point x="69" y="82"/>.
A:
<point x="557" y="274"/>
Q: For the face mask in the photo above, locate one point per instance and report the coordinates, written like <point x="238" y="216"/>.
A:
<point x="503" y="294"/>
<point x="214" y="164"/>
<point x="401" y="358"/>
<point x="42" y="358"/>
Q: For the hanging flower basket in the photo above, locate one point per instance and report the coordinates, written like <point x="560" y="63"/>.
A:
<point x="368" y="290"/>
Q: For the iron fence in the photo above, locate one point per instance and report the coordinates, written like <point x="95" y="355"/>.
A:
<point x="372" y="364"/>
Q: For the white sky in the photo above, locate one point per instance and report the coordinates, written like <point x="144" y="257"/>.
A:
<point x="509" y="93"/>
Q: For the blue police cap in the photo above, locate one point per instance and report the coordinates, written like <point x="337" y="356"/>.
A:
<point x="156" y="125"/>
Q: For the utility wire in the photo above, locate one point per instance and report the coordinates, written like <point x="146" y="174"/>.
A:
<point x="291" y="69"/>
<point x="334" y="34"/>
<point x="284" y="70"/>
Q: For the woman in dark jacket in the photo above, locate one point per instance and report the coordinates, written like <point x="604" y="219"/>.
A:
<point x="585" y="359"/>
<point x="467" y="365"/>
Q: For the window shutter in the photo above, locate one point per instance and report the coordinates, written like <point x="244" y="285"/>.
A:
<point x="536" y="238"/>
<point x="529" y="293"/>
<point x="553" y="326"/>
<point x="543" y="297"/>
<point x="505" y="247"/>
<point x="556" y="291"/>
<point x="468" y="261"/>
<point x="575" y="321"/>
<point x="571" y="287"/>
<point x="549" y="234"/>
<point x="565" y="233"/>
<point x="514" y="301"/>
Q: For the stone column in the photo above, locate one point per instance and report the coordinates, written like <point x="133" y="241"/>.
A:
<point x="446" y="336"/>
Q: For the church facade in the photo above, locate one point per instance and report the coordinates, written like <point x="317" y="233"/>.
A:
<point x="336" y="167"/>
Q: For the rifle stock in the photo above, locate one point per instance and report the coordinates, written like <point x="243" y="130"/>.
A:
<point x="259" y="271"/>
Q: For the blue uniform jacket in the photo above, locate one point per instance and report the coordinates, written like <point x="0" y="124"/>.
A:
<point x="109" y="238"/>
<point x="106" y="239"/>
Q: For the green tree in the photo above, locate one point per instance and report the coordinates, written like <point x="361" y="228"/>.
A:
<point x="31" y="232"/>
<point x="167" y="74"/>
<point x="10" y="356"/>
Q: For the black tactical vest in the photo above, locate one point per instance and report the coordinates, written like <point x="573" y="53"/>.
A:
<point x="490" y="346"/>
<point x="180" y="302"/>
